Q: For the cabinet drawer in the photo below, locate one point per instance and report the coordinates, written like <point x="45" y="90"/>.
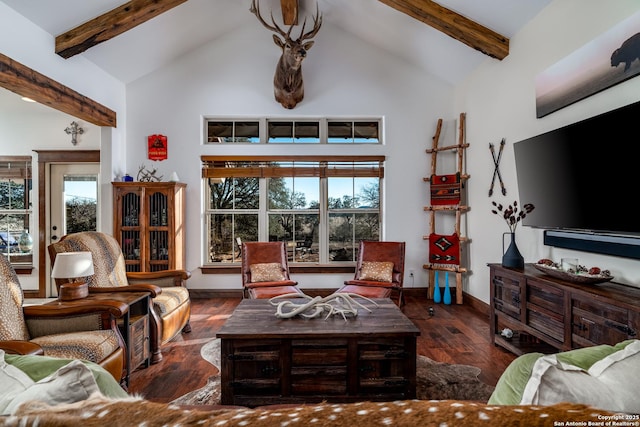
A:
<point x="546" y="296"/>
<point x="139" y="351"/>
<point x="319" y="352"/>
<point x="598" y="323"/>
<point x="507" y="294"/>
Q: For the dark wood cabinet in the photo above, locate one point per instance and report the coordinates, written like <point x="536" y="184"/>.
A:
<point x="549" y="314"/>
<point x="149" y="224"/>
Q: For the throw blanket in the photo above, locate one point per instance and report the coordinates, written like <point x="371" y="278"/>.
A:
<point x="99" y="411"/>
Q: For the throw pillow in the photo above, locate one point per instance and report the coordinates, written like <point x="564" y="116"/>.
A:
<point x="376" y="271"/>
<point x="71" y="383"/>
<point x="39" y="367"/>
<point x="605" y="385"/>
<point x="514" y="379"/>
<point x="266" y="272"/>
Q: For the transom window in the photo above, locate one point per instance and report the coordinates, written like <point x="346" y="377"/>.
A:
<point x="321" y="207"/>
<point x="296" y="131"/>
<point x="16" y="242"/>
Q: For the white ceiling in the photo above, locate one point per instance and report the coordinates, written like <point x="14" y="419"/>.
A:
<point x="165" y="38"/>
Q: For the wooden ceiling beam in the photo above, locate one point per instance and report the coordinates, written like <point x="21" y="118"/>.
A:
<point x="289" y="11"/>
<point x="24" y="81"/>
<point x="110" y="25"/>
<point x="454" y="25"/>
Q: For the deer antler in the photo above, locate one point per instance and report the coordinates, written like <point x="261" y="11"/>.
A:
<point x="255" y="9"/>
<point x="317" y="23"/>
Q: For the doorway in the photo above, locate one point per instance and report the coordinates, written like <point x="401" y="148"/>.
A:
<point x="74" y="200"/>
<point x="61" y="172"/>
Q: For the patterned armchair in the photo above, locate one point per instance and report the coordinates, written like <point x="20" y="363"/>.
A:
<point x="86" y="331"/>
<point x="171" y="303"/>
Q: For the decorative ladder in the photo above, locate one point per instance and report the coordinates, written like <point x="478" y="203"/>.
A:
<point x="458" y="208"/>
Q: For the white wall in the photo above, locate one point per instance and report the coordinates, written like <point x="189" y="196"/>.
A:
<point x="499" y="99"/>
<point x="29" y="45"/>
<point x="233" y="76"/>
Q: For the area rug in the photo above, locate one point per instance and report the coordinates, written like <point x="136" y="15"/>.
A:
<point x="434" y="381"/>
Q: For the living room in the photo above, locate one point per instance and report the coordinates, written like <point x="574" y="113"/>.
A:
<point x="232" y="77"/>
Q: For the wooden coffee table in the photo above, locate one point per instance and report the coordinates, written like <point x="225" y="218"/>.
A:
<point x="266" y="360"/>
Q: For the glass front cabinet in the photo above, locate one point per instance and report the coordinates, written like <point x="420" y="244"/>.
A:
<point x="149" y="224"/>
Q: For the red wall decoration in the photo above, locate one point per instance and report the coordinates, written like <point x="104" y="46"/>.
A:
<point x="157" y="147"/>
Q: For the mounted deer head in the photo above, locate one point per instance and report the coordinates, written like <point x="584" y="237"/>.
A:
<point x="287" y="81"/>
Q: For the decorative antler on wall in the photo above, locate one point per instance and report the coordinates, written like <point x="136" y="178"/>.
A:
<point x="287" y="81"/>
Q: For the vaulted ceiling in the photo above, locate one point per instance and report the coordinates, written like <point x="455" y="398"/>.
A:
<point x="130" y="39"/>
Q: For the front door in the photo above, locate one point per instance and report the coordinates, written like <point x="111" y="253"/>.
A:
<point x="74" y="201"/>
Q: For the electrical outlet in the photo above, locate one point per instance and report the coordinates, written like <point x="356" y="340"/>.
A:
<point x="411" y="272"/>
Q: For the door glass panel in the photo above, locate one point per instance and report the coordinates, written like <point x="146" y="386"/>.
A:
<point x="81" y="202"/>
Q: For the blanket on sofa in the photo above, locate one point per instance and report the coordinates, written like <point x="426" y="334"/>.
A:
<point x="99" y="411"/>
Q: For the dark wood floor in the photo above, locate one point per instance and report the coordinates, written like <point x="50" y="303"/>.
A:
<point x="455" y="334"/>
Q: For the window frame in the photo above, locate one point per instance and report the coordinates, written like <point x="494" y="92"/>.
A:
<point x="218" y="167"/>
<point x="25" y="168"/>
<point x="323" y="124"/>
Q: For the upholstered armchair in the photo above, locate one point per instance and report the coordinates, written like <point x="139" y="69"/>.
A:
<point x="170" y="297"/>
<point x="86" y="331"/>
<point x="265" y="270"/>
<point x="379" y="270"/>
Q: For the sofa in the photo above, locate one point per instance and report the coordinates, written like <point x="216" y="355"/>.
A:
<point x="52" y="380"/>
<point x="604" y="376"/>
<point x="100" y="411"/>
<point x="528" y="375"/>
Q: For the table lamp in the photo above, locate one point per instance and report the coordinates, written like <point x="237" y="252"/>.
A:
<point x="73" y="266"/>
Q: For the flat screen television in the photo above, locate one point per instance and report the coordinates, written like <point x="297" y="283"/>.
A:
<point x="583" y="179"/>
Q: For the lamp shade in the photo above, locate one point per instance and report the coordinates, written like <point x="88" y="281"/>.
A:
<point x="69" y="265"/>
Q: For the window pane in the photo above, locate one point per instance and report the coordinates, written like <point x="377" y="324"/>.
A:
<point x="230" y="131"/>
<point x="347" y="229"/>
<point x="16" y="243"/>
<point x="297" y="132"/>
<point x="14" y="193"/>
<point x="354" y="193"/>
<point x="224" y="232"/>
<point x="280" y="132"/>
<point x="234" y="193"/>
<point x="341" y="241"/>
<point x="299" y="232"/>
<point x="347" y="132"/>
<point x="367" y="226"/>
<point x="81" y="202"/>
<point x="294" y="193"/>
<point x="366" y="132"/>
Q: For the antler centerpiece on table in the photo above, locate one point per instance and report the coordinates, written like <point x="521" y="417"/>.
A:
<point x="343" y="304"/>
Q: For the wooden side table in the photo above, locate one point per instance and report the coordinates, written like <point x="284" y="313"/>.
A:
<point x="134" y="325"/>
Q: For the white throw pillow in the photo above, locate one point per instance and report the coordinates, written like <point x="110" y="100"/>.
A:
<point x="71" y="383"/>
<point x="609" y="384"/>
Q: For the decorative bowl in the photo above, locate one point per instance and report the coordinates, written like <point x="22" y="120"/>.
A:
<point x="585" y="278"/>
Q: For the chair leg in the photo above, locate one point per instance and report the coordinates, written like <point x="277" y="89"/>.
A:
<point x="401" y="300"/>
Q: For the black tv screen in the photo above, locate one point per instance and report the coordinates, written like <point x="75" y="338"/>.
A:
<point x="583" y="176"/>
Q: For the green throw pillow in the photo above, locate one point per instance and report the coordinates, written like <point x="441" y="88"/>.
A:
<point x="39" y="367"/>
<point x="514" y="379"/>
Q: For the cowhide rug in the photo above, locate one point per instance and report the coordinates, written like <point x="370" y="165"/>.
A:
<point x="434" y="381"/>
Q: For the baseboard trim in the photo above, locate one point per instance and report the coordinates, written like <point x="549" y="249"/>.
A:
<point x="469" y="300"/>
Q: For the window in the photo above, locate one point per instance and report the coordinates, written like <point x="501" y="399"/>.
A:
<point x="15" y="209"/>
<point x="297" y="131"/>
<point x="321" y="207"/>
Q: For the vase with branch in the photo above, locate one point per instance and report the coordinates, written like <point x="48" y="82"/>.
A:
<point x="512" y="215"/>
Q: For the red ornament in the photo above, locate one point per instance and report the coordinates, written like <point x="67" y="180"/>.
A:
<point x="157" y="147"/>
